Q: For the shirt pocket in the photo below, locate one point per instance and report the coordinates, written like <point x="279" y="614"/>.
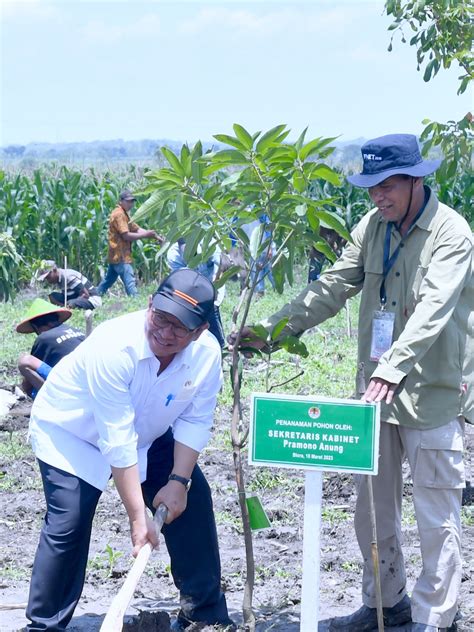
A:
<point x="439" y="462"/>
<point x="185" y="394"/>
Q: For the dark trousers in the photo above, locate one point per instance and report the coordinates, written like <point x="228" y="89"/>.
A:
<point x="61" y="558"/>
<point x="80" y="302"/>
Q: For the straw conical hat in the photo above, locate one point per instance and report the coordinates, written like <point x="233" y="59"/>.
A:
<point x="40" y="307"/>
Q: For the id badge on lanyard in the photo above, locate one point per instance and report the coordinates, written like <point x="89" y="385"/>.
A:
<point x="382" y="333"/>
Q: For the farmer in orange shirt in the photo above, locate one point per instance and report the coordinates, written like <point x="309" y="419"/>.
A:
<point x="122" y="232"/>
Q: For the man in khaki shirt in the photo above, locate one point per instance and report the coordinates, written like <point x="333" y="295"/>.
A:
<point x="122" y="232"/>
<point x="411" y="260"/>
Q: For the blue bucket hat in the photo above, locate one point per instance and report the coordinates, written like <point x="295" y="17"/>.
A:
<point x="391" y="155"/>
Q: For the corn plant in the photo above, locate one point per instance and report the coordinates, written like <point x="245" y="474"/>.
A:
<point x="57" y="211"/>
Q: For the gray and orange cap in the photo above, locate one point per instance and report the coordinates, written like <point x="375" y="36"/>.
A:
<point x="127" y="196"/>
<point x="391" y="155"/>
<point x="186" y="294"/>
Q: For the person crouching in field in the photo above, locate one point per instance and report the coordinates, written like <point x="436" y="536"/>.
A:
<point x="80" y="293"/>
<point x="54" y="341"/>
<point x="134" y="401"/>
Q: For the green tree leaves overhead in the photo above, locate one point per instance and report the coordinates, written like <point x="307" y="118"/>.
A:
<point x="208" y="197"/>
<point x="442" y="32"/>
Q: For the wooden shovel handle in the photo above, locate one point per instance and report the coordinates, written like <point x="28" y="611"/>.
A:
<point x="113" y="621"/>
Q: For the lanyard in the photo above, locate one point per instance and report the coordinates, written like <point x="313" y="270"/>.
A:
<point x="389" y="261"/>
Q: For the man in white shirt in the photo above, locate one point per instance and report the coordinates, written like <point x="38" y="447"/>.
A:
<point x="135" y="401"/>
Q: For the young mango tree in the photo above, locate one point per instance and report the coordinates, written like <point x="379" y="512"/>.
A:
<point x="208" y="199"/>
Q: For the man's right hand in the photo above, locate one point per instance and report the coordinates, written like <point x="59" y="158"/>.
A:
<point x="154" y="235"/>
<point x="248" y="339"/>
<point x="143" y="530"/>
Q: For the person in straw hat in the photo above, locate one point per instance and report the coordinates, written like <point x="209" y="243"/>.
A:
<point x="410" y="258"/>
<point x="54" y="341"/>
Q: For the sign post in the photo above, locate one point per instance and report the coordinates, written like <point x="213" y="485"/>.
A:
<point x="316" y="435"/>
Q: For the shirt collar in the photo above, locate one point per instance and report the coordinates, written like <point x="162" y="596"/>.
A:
<point x="424" y="221"/>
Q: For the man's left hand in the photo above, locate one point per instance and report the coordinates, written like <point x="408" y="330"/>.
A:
<point x="175" y="497"/>
<point x="379" y="390"/>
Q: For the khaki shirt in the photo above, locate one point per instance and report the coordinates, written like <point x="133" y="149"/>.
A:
<point x="120" y="251"/>
<point x="429" y="289"/>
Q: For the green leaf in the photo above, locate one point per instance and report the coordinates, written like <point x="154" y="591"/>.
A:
<point x="278" y="272"/>
<point x="312" y="219"/>
<point x="173" y="161"/>
<point x="315" y="146"/>
<point x="259" y="331"/>
<point x="225" y="276"/>
<point x="153" y="206"/>
<point x="330" y="220"/>
<point x="326" y="173"/>
<point x="244" y="137"/>
<point x="269" y="138"/>
<point x="278" y="328"/>
<point x="299" y="182"/>
<point x="228" y="157"/>
<point x="180" y="205"/>
<point x="325" y="248"/>
<point x="300" y="141"/>
<point x="230" y="140"/>
<point x="294" y="345"/>
<point x="232" y="179"/>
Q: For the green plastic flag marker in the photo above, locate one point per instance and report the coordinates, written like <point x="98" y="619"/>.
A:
<point x="258" y="517"/>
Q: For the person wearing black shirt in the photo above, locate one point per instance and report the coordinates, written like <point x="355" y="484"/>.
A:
<point x="54" y="341"/>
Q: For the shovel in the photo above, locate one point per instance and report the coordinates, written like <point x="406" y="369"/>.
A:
<point x="113" y="621"/>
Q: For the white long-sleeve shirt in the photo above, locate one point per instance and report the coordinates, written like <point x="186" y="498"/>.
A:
<point x="103" y="405"/>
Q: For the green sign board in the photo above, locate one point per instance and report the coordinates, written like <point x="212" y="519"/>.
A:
<point x="314" y="433"/>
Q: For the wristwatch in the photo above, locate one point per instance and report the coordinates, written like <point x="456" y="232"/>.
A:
<point x="185" y="481"/>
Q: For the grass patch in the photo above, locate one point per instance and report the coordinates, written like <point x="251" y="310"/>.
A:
<point x="13" y="446"/>
<point x="334" y="516"/>
<point x="467" y="516"/>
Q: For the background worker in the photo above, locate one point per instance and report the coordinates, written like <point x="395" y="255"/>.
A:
<point x="136" y="401"/>
<point x="175" y="257"/>
<point x="54" y="341"/>
<point x="80" y="293"/>
<point x="122" y="232"/>
<point x="411" y="260"/>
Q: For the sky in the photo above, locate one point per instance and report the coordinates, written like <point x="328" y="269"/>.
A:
<point x="88" y="70"/>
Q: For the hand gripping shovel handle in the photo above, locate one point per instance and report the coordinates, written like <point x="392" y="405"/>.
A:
<point x="113" y="621"/>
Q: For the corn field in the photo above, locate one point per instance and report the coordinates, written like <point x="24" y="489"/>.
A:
<point x="56" y="212"/>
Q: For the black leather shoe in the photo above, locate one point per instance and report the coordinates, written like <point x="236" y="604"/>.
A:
<point x="365" y="619"/>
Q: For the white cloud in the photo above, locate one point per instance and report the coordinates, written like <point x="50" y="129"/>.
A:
<point x="303" y="19"/>
<point x="107" y="33"/>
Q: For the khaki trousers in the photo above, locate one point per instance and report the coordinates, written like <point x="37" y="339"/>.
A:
<point x="437" y="469"/>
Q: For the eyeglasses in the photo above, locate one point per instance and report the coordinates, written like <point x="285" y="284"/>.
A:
<point x="161" y="322"/>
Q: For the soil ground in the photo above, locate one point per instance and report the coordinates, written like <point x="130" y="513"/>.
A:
<point x="278" y="550"/>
